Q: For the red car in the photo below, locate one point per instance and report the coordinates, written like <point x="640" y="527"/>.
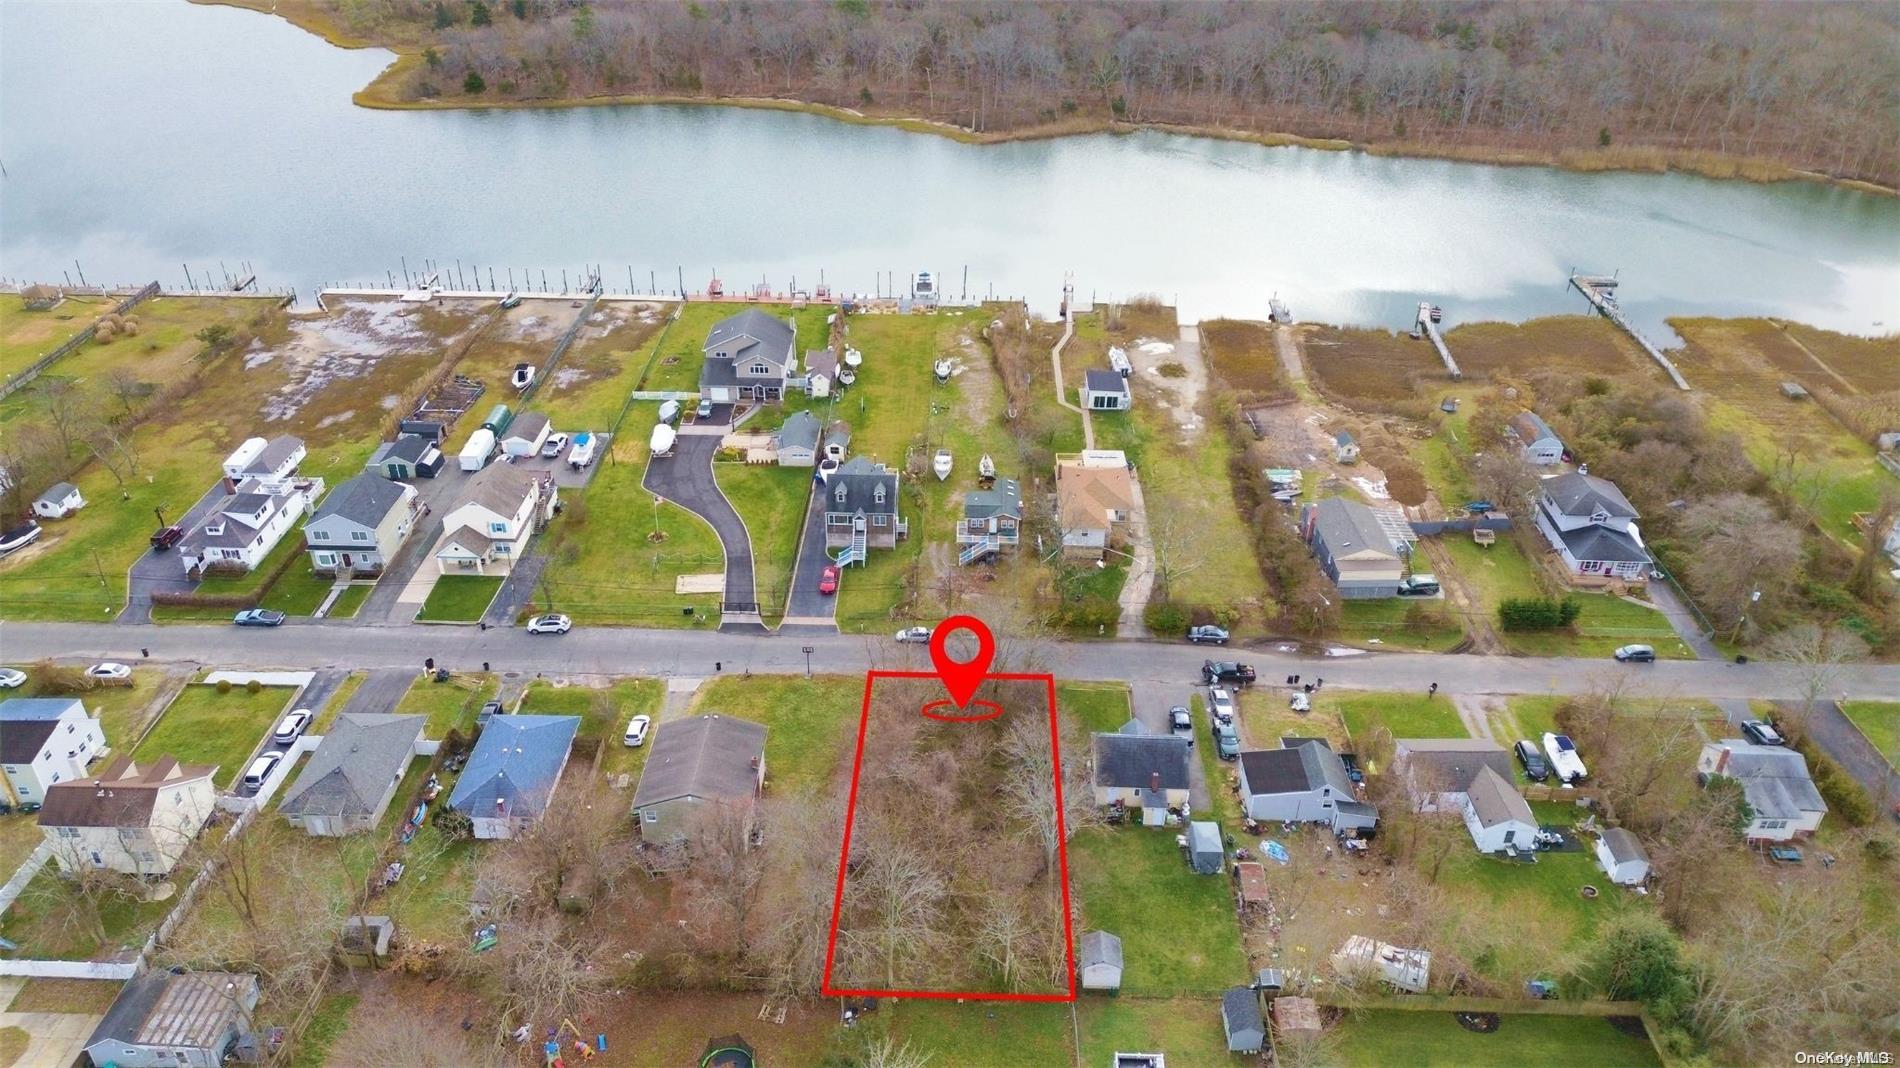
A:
<point x="828" y="582"/>
<point x="167" y="537"/>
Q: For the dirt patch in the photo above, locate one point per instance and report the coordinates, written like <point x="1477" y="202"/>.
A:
<point x="349" y="341"/>
<point x="1173" y="376"/>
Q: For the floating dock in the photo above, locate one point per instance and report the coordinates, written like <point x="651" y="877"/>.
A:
<point x="1428" y="322"/>
<point x="1601" y="293"/>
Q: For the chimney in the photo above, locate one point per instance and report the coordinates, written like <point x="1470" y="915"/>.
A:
<point x="1154" y="780"/>
<point x="1721" y="762"/>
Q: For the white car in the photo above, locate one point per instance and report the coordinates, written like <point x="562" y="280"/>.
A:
<point x="552" y="623"/>
<point x="1221" y="703"/>
<point x="259" y="770"/>
<point x="555" y="445"/>
<point x="1564" y="761"/>
<point x="636" y="735"/>
<point x="109" y="669"/>
<point x="914" y="635"/>
<point x="12" y="678"/>
<point x="291" y="726"/>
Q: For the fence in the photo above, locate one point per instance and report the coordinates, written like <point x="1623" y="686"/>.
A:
<point x="561" y="347"/>
<point x="1426" y="528"/>
<point x="71" y="969"/>
<point x="20" y="380"/>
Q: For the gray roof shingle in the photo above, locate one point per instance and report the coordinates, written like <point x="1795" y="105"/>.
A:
<point x="770" y="337"/>
<point x="365" y="499"/>
<point x="1774" y="778"/>
<point x="1603" y="543"/>
<point x="1125" y="761"/>
<point x="1100" y="947"/>
<point x="800" y="430"/>
<point x="1005" y="498"/>
<point x="360" y="757"/>
<point x="1348" y="527"/>
<point x="1098" y="381"/>
<point x="853" y="488"/>
<point x="1578" y="494"/>
<point x="1494" y="800"/>
<point x="709" y="756"/>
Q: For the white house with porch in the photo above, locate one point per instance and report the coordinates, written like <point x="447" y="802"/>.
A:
<point x="490" y="527"/>
<point x="1592" y="526"/>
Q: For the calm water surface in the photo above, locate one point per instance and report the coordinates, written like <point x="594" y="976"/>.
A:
<point x="141" y="136"/>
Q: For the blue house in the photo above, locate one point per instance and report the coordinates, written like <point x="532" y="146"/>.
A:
<point x="512" y="773"/>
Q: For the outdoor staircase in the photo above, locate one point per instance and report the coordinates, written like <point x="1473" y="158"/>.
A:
<point x="855" y="553"/>
<point x="977" y="549"/>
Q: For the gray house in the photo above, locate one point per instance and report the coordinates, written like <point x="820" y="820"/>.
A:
<point x="1302" y="782"/>
<point x="798" y="440"/>
<point x="707" y="758"/>
<point x="351" y="778"/>
<point x="1105" y="391"/>
<point x="1353" y="549"/>
<point x="749" y="356"/>
<point x="1240" y="1015"/>
<point x="1101" y="961"/>
<point x="1145" y="772"/>
<point x="359" y="527"/>
<point x="861" y="509"/>
<point x="409" y="456"/>
<point x="163" y="1019"/>
<point x="1540" y="443"/>
<point x="1439" y="771"/>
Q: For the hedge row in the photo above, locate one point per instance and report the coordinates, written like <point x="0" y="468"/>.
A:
<point x="1538" y="613"/>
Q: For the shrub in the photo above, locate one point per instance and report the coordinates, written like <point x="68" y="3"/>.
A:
<point x="1846" y="798"/>
<point x="62" y="680"/>
<point x="1879" y="850"/>
<point x="1636" y="957"/>
<point x="224" y="686"/>
<point x="1164" y="617"/>
<point x="453" y="823"/>
<point x="253" y="687"/>
<point x="1538" y="613"/>
<point x="473" y="84"/>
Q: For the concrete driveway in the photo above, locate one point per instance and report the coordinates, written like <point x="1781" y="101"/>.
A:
<point x="686" y="479"/>
<point x="155" y="571"/>
<point x="805" y="606"/>
<point x="385" y="603"/>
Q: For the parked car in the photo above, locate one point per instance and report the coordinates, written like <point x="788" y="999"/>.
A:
<point x="1221" y="704"/>
<point x="165" y="537"/>
<point x="828" y="579"/>
<point x="1226" y="741"/>
<point x="1207" y="633"/>
<point x="111" y="670"/>
<point x="636" y="735"/>
<point x="704" y="411"/>
<point x="1534" y="767"/>
<point x="1213" y="671"/>
<point x="1564" y="761"/>
<point x="490" y="709"/>
<point x="260" y="770"/>
<point x="1636" y="654"/>
<point x="1762" y="732"/>
<point x="1300" y="703"/>
<point x="1418" y="586"/>
<point x="555" y="444"/>
<point x="12" y="678"/>
<point x="552" y="623"/>
<point x="291" y="726"/>
<point x="259" y="617"/>
<point x="1180" y="722"/>
<point x="914" y="635"/>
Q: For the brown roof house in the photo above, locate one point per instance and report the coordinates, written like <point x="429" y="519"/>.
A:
<point x="710" y="758"/>
<point x="165" y="1019"/>
<point x="128" y="818"/>
<point x="1094" y="492"/>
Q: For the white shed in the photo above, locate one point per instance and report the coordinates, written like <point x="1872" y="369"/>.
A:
<point x="1101" y="961"/>
<point x="62" y="500"/>
<point x="1622" y="857"/>
<point x="526" y="434"/>
<point x="481" y="446"/>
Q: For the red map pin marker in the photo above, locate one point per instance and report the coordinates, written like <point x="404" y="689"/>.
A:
<point x="962" y="678"/>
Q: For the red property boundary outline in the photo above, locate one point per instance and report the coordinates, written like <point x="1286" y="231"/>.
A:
<point x="851" y="812"/>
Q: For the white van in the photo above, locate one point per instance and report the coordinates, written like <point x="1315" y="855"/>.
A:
<point x="260" y="770"/>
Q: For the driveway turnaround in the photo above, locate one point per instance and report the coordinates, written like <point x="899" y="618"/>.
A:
<point x="156" y="571"/>
<point x="806" y="607"/>
<point x="686" y="479"/>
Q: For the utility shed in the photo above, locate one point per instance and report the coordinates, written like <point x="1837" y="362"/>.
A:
<point x="1205" y="853"/>
<point x="1240" y="1015"/>
<point x="163" y="1019"/>
<point x="1101" y="962"/>
<point x="1622" y="857"/>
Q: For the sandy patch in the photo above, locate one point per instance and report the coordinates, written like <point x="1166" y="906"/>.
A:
<point x="345" y="342"/>
<point x="332" y="420"/>
<point x="1180" y="394"/>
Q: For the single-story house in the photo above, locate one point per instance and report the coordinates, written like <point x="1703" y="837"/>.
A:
<point x="1094" y="493"/>
<point x="1589" y="523"/>
<point x="59" y="501"/>
<point x="861" y="510"/>
<point x="1345" y="449"/>
<point x="1207" y="854"/>
<point x="360" y="526"/>
<point x="489" y="528"/>
<point x="797" y="440"/>
<point x="1145" y="772"/>
<point x="1782" y="799"/>
<point x="749" y="356"/>
<point x="992" y="518"/>
<point x="1540" y="443"/>
<point x="350" y="780"/>
<point x="175" y="1019"/>
<point x="526" y="434"/>
<point x="44" y="740"/>
<point x="1105" y="391"/>
<point x="1353" y="549"/>
<point x="1497" y="815"/>
<point x="1240" y="1017"/>
<point x="131" y="819"/>
<point x="511" y="775"/>
<point x="710" y="758"/>
<point x="1302" y="782"/>
<point x="243" y="528"/>
<point x="1622" y="858"/>
<point x="1439" y="771"/>
<point x="272" y="461"/>
<point x="1100" y="960"/>
<point x="409" y="456"/>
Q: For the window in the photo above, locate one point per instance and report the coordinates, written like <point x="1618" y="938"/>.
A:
<point x="326" y="559"/>
<point x="650" y="816"/>
<point x="839" y="495"/>
<point x="70" y="728"/>
<point x="359" y="535"/>
<point x="498" y="528"/>
<point x="878" y="495"/>
<point x="760" y="369"/>
<point x="880" y="520"/>
<point x="501" y="548"/>
<point x="67" y="832"/>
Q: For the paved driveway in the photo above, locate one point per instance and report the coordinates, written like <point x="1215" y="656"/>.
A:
<point x="686" y="479"/>
<point x="155" y="571"/>
<point x="806" y="607"/>
<point x="438" y="495"/>
<point x="1152" y="702"/>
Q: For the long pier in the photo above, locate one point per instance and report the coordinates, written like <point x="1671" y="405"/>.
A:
<point x="1601" y="293"/>
<point x="1430" y="326"/>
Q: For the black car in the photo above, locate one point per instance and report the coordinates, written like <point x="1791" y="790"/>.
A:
<point x="1762" y="732"/>
<point x="1528" y="755"/>
<point x="1214" y="671"/>
<point x="1208" y="633"/>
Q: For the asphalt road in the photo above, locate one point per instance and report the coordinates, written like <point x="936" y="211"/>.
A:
<point x="625" y="651"/>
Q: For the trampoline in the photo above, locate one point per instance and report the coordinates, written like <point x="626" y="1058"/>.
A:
<point x="728" y="1052"/>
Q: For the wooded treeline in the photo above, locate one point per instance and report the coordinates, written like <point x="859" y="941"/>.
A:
<point x="1812" y="86"/>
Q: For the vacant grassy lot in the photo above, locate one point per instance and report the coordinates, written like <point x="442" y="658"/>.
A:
<point x="123" y="711"/>
<point x="454" y="703"/>
<point x="1373" y="369"/>
<point x="1098" y="706"/>
<point x="1244" y="356"/>
<point x="1400" y="624"/>
<point x="203" y="726"/>
<point x="459" y="598"/>
<point x="605" y="712"/>
<point x="771" y="501"/>
<point x="588" y="389"/>
<point x="1405" y="715"/>
<point x="1880" y="721"/>
<point x="984" y="1032"/>
<point x="1585" y="344"/>
<point x="19" y="837"/>
<point x="163" y="346"/>
<point x="1188" y="1030"/>
<point x="1552" y="920"/>
<point x="1435" y="1039"/>
<point x="1501" y="572"/>
<point x="1178" y="931"/>
<point x="811" y="723"/>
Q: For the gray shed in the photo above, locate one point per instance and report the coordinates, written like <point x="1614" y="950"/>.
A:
<point x="1205" y="853"/>
<point x="1101" y="962"/>
<point x="1240" y="1015"/>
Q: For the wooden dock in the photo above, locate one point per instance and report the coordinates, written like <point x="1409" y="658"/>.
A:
<point x="1601" y="293"/>
<point x="1427" y="324"/>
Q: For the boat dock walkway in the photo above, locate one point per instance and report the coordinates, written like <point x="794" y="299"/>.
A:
<point x="1601" y="293"/>
<point x="1428" y="324"/>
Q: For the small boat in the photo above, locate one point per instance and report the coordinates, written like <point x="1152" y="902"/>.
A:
<point x="1438" y="314"/>
<point x="512" y="300"/>
<point x="986" y="467"/>
<point x="847" y="375"/>
<point x="943" y="370"/>
<point x="523" y="376"/>
<point x="1277" y="310"/>
<point x="941" y="465"/>
<point x="852" y="357"/>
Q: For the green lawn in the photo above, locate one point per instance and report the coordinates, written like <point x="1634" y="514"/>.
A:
<point x="981" y="1034"/>
<point x="1390" y="621"/>
<point x="331" y="1020"/>
<point x="771" y="501"/>
<point x="1098" y="706"/>
<point x="349" y="601"/>
<point x="459" y="598"/>
<point x="162" y="346"/>
<point x="122" y="711"/>
<point x="1178" y="931"/>
<point x="454" y="703"/>
<point x="590" y="387"/>
<point x="203" y="726"/>
<point x="810" y="723"/>
<point x="1225" y="798"/>
<point x="1880" y="721"/>
<point x="1551" y="919"/>
<point x="301" y="590"/>
<point x="604" y="714"/>
<point x="1188" y="1030"/>
<point x="45" y="920"/>
<point x="19" y="837"/>
<point x="1502" y="571"/>
<point x="1435" y="1040"/>
<point x="1406" y="715"/>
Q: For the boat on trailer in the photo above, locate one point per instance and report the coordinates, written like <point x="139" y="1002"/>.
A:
<point x="942" y="464"/>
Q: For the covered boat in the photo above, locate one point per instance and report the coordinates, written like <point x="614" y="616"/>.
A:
<point x="661" y="443"/>
<point x="986" y="467"/>
<point x="942" y="464"/>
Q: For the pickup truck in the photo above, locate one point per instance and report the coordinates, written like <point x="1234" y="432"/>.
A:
<point x="167" y="537"/>
<point x="1214" y="671"/>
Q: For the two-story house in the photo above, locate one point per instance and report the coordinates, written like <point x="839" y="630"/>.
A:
<point x="43" y="741"/>
<point x="749" y="356"/>
<point x="1589" y="522"/>
<point x="861" y="510"/>
<point x="128" y="818"/>
<point x="242" y="528"/>
<point x="360" y="525"/>
<point x="992" y="519"/>
<point x="492" y="522"/>
<point x="1303" y="781"/>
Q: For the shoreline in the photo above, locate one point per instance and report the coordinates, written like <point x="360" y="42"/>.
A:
<point x="1634" y="159"/>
